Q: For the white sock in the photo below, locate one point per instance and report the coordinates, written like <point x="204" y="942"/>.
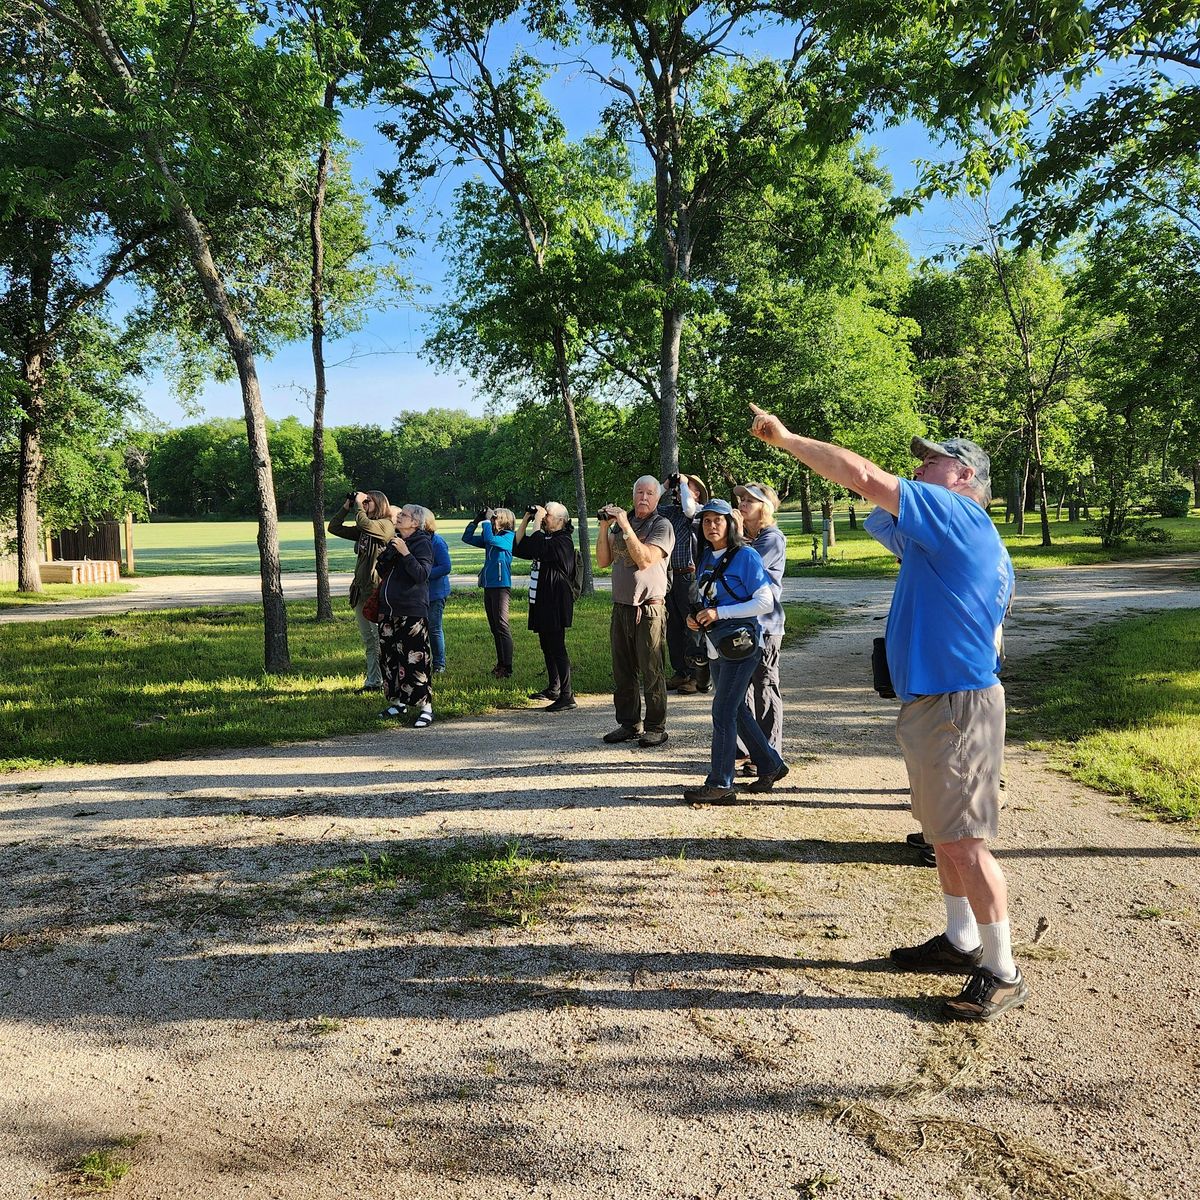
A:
<point x="961" y="930"/>
<point x="997" y="950"/>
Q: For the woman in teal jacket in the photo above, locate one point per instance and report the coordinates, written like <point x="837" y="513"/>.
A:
<point x="495" y="538"/>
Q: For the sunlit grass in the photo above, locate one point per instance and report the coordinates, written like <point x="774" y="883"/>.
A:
<point x="1120" y="709"/>
<point x="55" y="593"/>
<point x="148" y="685"/>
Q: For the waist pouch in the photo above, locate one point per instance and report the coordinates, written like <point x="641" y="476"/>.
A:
<point x="735" y="638"/>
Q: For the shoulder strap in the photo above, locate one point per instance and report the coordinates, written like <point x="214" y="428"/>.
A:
<point x="719" y="574"/>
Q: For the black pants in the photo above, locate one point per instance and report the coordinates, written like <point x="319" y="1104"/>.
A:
<point x="495" y="604"/>
<point x="678" y="634"/>
<point x="558" y="663"/>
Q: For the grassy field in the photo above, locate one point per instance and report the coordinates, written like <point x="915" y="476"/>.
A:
<point x="230" y="548"/>
<point x="1120" y="709"/>
<point x="56" y="592"/>
<point x="153" y="684"/>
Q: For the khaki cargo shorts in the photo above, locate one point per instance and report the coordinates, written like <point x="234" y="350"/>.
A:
<point x="953" y="747"/>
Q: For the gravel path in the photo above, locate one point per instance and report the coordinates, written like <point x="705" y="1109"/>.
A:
<point x="704" y="1009"/>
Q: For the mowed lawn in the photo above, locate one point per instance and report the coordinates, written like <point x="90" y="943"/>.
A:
<point x="148" y="685"/>
<point x="231" y="547"/>
<point x="1120" y="709"/>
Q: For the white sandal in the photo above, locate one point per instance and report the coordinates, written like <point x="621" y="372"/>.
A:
<point x="393" y="710"/>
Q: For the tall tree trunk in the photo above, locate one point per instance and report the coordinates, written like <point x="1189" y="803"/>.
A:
<point x="827" y="515"/>
<point x="29" y="473"/>
<point x="806" y="521"/>
<point x="275" y="642"/>
<point x="581" y="501"/>
<point x="1196" y="484"/>
<point x="317" y="293"/>
<point x="668" y="390"/>
<point x="1023" y="496"/>
<point x="1041" y="481"/>
<point x="33" y="370"/>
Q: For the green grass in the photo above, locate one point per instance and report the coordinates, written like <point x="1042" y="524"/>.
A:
<point x="1120" y="710"/>
<point x="100" y="1170"/>
<point x="54" y="593"/>
<point x="230" y="547"/>
<point x="497" y="883"/>
<point x="131" y="688"/>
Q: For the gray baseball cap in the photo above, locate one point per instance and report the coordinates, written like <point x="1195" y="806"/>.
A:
<point x="967" y="453"/>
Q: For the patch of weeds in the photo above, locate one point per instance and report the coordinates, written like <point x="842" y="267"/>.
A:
<point x="320" y="1026"/>
<point x="815" y="1185"/>
<point x="1148" y="914"/>
<point x="497" y="882"/>
<point x="989" y="1162"/>
<point x="953" y="1057"/>
<point x="101" y="1169"/>
<point x="747" y="1049"/>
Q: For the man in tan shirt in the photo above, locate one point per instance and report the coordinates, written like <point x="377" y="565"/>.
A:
<point x="637" y="545"/>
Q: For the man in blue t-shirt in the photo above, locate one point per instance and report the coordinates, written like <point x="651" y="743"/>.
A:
<point x="954" y="587"/>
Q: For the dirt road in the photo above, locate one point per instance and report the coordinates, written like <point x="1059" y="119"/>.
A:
<point x="704" y="1009"/>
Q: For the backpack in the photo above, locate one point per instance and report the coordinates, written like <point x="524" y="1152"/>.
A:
<point x="575" y="579"/>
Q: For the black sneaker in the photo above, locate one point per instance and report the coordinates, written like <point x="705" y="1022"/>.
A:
<point x="622" y="733"/>
<point x="764" y="783"/>
<point x="709" y="795"/>
<point x="984" y="997"/>
<point x="544" y="694"/>
<point x="917" y="840"/>
<point x="562" y="704"/>
<point x="939" y="954"/>
<point x="927" y="857"/>
<point x="653" y="737"/>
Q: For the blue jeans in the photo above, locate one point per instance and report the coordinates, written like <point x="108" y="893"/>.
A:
<point x="732" y="717"/>
<point x="437" y="639"/>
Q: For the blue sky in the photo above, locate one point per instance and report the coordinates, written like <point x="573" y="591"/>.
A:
<point x="380" y="370"/>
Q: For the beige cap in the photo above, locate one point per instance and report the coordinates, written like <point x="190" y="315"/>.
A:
<point x="761" y="492"/>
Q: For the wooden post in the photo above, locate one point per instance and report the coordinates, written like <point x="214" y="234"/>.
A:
<point x="129" y="543"/>
<point x="48" y="556"/>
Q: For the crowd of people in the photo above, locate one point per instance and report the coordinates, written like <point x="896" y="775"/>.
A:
<point x="698" y="582"/>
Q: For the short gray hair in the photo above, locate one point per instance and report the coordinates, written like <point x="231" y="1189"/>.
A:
<point x="554" y="509"/>
<point x="419" y="513"/>
<point x="637" y="483"/>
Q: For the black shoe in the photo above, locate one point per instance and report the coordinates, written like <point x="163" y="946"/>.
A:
<point x="917" y="840"/>
<point x="544" y="694"/>
<point x="984" y="997"/>
<point x="939" y="955"/>
<point x="675" y="681"/>
<point x="622" y="733"/>
<point x="710" y="795"/>
<point x="764" y="783"/>
<point x="653" y="738"/>
<point x="562" y="704"/>
<point x="927" y="857"/>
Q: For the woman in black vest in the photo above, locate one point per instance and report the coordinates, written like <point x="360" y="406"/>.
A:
<point x="551" y="600"/>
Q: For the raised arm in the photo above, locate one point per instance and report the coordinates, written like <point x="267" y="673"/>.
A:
<point x="835" y="463"/>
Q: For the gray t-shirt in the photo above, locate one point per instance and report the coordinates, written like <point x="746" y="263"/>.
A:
<point x="629" y="585"/>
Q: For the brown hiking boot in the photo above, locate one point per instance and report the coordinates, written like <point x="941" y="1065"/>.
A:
<point x="984" y="997"/>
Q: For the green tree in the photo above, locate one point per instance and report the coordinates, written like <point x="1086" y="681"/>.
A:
<point x="214" y="114"/>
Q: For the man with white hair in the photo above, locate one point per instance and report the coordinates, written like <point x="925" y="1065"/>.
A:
<point x="953" y="590"/>
<point x="637" y="545"/>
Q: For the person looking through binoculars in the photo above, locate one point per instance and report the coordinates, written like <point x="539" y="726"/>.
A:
<point x="637" y="546"/>
<point x="370" y="532"/>
<point x="495" y="538"/>
<point x="551" y="548"/>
